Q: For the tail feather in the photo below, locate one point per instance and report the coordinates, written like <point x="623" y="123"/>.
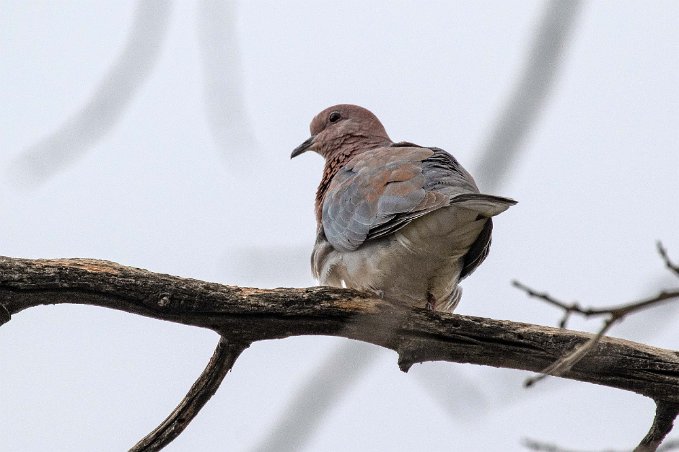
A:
<point x="486" y="205"/>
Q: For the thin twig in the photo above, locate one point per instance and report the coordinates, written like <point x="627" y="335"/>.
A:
<point x="203" y="389"/>
<point x="615" y="314"/>
<point x="567" y="362"/>
<point x="666" y="411"/>
<point x="663" y="421"/>
<point x="674" y="268"/>
<point x="544" y="296"/>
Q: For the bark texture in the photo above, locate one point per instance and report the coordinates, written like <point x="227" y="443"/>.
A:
<point x="244" y="315"/>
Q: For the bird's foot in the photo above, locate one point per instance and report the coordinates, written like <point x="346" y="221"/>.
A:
<point x="431" y="303"/>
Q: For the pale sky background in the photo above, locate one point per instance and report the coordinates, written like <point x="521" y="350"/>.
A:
<point x="166" y="189"/>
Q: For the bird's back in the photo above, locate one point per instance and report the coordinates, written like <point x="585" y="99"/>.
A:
<point x="401" y="221"/>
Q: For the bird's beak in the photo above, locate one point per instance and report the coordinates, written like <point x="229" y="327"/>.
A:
<point x="302" y="148"/>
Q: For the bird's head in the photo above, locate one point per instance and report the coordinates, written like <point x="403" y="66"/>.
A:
<point x="342" y="127"/>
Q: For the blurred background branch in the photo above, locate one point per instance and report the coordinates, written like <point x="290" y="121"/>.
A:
<point x="223" y="95"/>
<point x="78" y="133"/>
<point x="530" y="94"/>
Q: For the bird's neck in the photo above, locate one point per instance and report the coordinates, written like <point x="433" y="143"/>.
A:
<point x="336" y="160"/>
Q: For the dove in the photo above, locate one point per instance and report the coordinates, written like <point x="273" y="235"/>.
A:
<point x="403" y="221"/>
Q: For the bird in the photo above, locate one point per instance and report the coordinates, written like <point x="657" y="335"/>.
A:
<point x="402" y="221"/>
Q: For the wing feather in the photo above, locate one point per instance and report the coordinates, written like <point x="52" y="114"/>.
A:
<point x="380" y="191"/>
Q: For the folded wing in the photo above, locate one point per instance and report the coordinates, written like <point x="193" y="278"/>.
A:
<point x="380" y="191"/>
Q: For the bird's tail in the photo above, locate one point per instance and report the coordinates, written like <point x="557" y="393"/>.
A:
<point x="486" y="205"/>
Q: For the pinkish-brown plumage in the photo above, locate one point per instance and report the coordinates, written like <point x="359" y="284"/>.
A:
<point x="405" y="221"/>
<point x="357" y="130"/>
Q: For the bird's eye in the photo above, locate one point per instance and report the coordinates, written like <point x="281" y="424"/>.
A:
<point x="334" y="116"/>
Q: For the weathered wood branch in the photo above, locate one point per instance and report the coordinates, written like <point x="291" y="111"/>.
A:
<point x="244" y="315"/>
<point x="223" y="359"/>
<point x="248" y="314"/>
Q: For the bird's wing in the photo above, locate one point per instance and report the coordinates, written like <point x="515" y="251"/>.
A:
<point x="380" y="191"/>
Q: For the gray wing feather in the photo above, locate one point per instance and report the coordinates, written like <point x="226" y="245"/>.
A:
<point x="382" y="190"/>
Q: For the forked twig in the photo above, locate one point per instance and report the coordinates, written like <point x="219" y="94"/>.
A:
<point x="613" y="315"/>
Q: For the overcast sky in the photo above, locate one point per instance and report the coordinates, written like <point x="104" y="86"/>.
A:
<point x="165" y="145"/>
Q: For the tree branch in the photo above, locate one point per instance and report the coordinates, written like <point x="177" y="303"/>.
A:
<point x="674" y="268"/>
<point x="614" y="315"/>
<point x="244" y="315"/>
<point x="203" y="389"/>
